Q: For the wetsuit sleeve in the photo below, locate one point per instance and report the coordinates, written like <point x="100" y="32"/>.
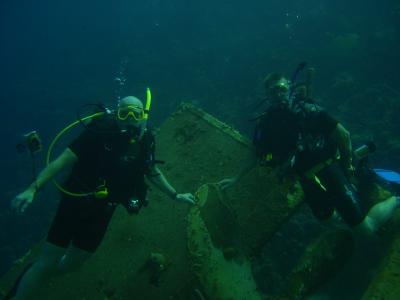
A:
<point x="83" y="145"/>
<point x="324" y="122"/>
<point x="328" y="123"/>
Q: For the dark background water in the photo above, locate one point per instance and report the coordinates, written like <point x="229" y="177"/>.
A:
<point x="57" y="55"/>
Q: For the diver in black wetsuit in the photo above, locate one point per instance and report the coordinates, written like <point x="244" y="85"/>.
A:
<point x="110" y="161"/>
<point x="298" y="136"/>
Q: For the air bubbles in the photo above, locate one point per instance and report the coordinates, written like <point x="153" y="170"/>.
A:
<point x="120" y="78"/>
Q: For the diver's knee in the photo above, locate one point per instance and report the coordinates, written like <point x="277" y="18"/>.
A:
<point x="46" y="266"/>
<point x="73" y="259"/>
<point x="367" y="227"/>
<point x="67" y="265"/>
<point x="49" y="259"/>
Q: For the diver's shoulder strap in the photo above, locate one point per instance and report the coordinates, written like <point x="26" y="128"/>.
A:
<point x="149" y="136"/>
<point x="149" y="144"/>
<point x="103" y="125"/>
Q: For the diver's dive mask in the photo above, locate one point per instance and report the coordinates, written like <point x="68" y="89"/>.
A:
<point x="135" y="112"/>
<point x="279" y="92"/>
<point x="280" y="89"/>
<point x="131" y="120"/>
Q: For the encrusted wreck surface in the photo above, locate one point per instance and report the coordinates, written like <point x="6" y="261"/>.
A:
<point x="197" y="150"/>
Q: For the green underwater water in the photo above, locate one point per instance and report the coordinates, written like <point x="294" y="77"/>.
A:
<point x="214" y="54"/>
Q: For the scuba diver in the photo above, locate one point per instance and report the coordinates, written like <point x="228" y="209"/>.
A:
<point x="110" y="160"/>
<point x="296" y="136"/>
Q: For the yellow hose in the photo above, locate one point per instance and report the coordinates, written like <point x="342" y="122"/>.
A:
<point x="54" y="142"/>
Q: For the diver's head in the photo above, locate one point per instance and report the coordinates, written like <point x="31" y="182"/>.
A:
<point x="277" y="88"/>
<point x="130" y="115"/>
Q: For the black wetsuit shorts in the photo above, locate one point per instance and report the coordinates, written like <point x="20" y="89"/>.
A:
<point x="338" y="194"/>
<point x="80" y="222"/>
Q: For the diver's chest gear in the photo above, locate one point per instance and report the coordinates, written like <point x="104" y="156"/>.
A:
<point x="126" y="152"/>
<point x="101" y="191"/>
<point x="310" y="140"/>
<point x="310" y="143"/>
<point x="276" y="135"/>
<point x="125" y="166"/>
<point x="115" y="169"/>
<point x="134" y="205"/>
<point x="292" y="134"/>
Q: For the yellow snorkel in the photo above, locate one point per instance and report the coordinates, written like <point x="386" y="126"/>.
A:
<point x="148" y="104"/>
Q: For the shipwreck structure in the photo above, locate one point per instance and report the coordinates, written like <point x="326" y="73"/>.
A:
<point x="207" y="251"/>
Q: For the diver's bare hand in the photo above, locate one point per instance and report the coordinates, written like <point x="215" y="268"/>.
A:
<point x="21" y="202"/>
<point x="187" y="197"/>
<point x="227" y="183"/>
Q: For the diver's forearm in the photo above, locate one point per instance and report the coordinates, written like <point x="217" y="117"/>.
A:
<point x="345" y="147"/>
<point x="67" y="158"/>
<point x="162" y="183"/>
<point x="45" y="175"/>
<point x="347" y="151"/>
